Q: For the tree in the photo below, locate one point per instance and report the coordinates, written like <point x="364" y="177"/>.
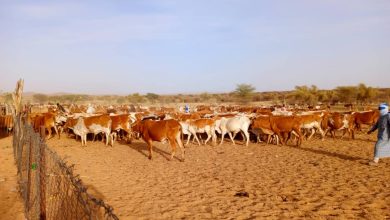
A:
<point x="40" y="98"/>
<point x="365" y="93"/>
<point x="204" y="97"/>
<point x="152" y="97"/>
<point x="306" y="95"/>
<point x="244" y="92"/>
<point x="346" y="94"/>
<point x="135" y="98"/>
<point x="121" y="100"/>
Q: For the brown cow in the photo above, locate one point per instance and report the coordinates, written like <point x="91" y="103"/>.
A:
<point x="6" y="123"/>
<point x="366" y="118"/>
<point x="285" y="125"/>
<point x="47" y="120"/>
<point x="262" y="125"/>
<point x="160" y="131"/>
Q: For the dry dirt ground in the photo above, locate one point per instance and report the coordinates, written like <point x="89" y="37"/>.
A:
<point x="320" y="180"/>
<point x="11" y="206"/>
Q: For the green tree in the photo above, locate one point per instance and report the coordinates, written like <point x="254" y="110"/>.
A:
<point x="244" y="92"/>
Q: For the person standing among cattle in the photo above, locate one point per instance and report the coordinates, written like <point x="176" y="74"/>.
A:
<point x="382" y="146"/>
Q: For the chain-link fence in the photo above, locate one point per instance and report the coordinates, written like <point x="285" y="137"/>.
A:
<point x="48" y="186"/>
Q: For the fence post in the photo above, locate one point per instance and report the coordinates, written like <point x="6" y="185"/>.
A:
<point x="28" y="188"/>
<point x="42" y="174"/>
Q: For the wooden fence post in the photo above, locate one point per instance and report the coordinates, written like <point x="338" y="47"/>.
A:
<point x="42" y="176"/>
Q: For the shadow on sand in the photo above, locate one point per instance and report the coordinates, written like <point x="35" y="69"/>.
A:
<point x="327" y="153"/>
<point x="143" y="149"/>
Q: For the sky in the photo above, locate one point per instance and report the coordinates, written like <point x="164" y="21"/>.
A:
<point x="183" y="46"/>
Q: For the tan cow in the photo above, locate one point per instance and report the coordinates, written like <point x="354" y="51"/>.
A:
<point x="203" y="125"/>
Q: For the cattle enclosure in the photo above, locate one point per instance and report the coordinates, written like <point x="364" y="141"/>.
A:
<point x="48" y="185"/>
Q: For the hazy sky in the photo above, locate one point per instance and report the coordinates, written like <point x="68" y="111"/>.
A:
<point x="183" y="46"/>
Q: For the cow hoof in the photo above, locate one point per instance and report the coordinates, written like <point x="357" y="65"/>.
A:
<point x="150" y="158"/>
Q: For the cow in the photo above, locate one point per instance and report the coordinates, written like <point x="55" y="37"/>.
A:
<point x="6" y="123"/>
<point x="95" y="125"/>
<point x="286" y="125"/>
<point x="160" y="131"/>
<point x="366" y="118"/>
<point x="312" y="122"/>
<point x="262" y="125"/>
<point x="192" y="127"/>
<point x="118" y="123"/>
<point x="233" y="125"/>
<point x="46" y="120"/>
<point x="337" y="121"/>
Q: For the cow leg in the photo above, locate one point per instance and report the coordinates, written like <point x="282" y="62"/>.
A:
<point x="222" y="137"/>
<point x="113" y="138"/>
<point x="280" y="138"/>
<point x="214" y="137"/>
<point x="107" y="134"/>
<point x="246" y="137"/>
<point x="196" y="138"/>
<point x="48" y="133"/>
<point x="188" y="138"/>
<point x="268" y="138"/>
<point x="178" y="141"/>
<point x="56" y="130"/>
<point x="208" y="137"/>
<point x="298" y="132"/>
<point x="150" y="145"/>
<point x="232" y="137"/>
<point x="172" y="142"/>
<point x="311" y="134"/>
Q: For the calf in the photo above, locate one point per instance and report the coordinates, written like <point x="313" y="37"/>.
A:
<point x="160" y="131"/>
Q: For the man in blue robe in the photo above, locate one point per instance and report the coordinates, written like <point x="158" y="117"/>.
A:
<point x="382" y="146"/>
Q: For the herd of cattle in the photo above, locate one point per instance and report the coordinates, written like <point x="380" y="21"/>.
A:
<point x="269" y="124"/>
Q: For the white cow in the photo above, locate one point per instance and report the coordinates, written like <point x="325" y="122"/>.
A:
<point x="233" y="125"/>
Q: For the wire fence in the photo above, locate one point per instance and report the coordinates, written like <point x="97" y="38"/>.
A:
<point x="49" y="187"/>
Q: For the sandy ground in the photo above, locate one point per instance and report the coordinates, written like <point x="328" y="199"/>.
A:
<point x="320" y="180"/>
<point x="11" y="206"/>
